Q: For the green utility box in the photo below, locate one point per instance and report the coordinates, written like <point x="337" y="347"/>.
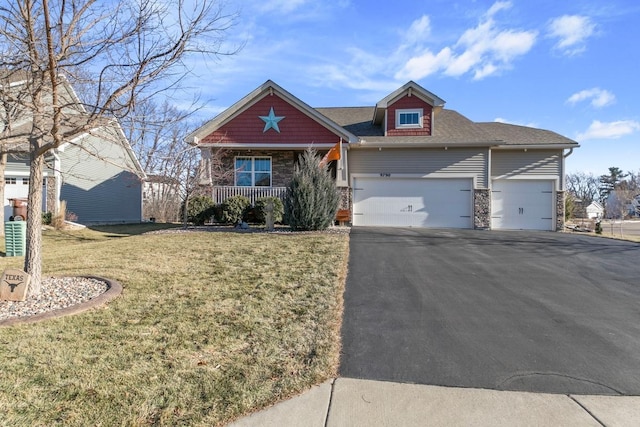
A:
<point x="15" y="238"/>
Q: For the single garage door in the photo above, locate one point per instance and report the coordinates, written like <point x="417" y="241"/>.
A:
<point x="522" y="205"/>
<point x="414" y="202"/>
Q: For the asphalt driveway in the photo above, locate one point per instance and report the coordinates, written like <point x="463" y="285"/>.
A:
<point x="542" y="312"/>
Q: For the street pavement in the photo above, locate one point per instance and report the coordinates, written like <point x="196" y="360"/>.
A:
<point x="622" y="228"/>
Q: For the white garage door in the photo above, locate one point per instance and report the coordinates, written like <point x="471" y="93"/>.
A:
<point x="522" y="205"/>
<point x="415" y="202"/>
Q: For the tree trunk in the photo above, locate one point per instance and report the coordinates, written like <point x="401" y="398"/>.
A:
<point x="3" y="167"/>
<point x="33" y="258"/>
<point x="185" y="210"/>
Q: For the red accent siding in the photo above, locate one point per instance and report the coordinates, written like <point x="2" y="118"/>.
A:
<point x="408" y="103"/>
<point x="295" y="128"/>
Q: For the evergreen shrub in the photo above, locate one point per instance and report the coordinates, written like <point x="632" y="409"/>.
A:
<point x="234" y="209"/>
<point x="312" y="198"/>
<point x="261" y="213"/>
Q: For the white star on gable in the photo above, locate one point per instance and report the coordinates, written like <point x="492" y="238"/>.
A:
<point x="271" y="121"/>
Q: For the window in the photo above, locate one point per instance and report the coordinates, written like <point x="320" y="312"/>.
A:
<point x="408" y="119"/>
<point x="253" y="171"/>
<point x="25" y="181"/>
<point x="9" y="180"/>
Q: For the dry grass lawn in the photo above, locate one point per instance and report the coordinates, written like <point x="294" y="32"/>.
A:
<point x="210" y="326"/>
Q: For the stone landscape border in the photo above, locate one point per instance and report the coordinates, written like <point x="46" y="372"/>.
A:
<point x="113" y="291"/>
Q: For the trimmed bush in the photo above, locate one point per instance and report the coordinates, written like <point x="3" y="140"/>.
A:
<point x="312" y="197"/>
<point x="46" y="218"/>
<point x="199" y="210"/>
<point x="261" y="213"/>
<point x="234" y="209"/>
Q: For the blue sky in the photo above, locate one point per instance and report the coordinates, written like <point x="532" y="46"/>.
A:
<point x="571" y="67"/>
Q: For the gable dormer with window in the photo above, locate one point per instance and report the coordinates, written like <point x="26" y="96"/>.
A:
<point x="409" y="116"/>
<point x="407" y="111"/>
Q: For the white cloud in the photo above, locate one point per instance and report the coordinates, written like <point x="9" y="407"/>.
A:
<point x="426" y="64"/>
<point x="510" y="122"/>
<point x="572" y="31"/>
<point x="599" y="97"/>
<point x="419" y="30"/>
<point x="282" y="6"/>
<point x="483" y="50"/>
<point x="609" y="130"/>
<point x="498" y="6"/>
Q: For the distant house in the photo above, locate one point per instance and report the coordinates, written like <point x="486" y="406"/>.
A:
<point x="622" y="203"/>
<point x="161" y="198"/>
<point x="96" y="173"/>
<point x="595" y="210"/>
<point x="404" y="162"/>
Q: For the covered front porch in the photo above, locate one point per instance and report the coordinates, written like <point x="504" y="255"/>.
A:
<point x="223" y="192"/>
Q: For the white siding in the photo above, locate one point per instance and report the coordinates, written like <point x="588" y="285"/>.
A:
<point x="413" y="161"/>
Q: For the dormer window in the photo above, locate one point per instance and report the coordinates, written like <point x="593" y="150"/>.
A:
<point x="408" y="119"/>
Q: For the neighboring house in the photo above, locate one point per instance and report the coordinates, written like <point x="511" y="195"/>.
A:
<point x="96" y="173"/>
<point x="407" y="161"/>
<point x="595" y="210"/>
<point x="622" y="203"/>
<point x="162" y="198"/>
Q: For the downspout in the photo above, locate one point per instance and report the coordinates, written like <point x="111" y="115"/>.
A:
<point x="564" y="175"/>
<point x="564" y="183"/>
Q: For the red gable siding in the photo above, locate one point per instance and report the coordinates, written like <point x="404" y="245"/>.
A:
<point x="407" y="103"/>
<point x="295" y="128"/>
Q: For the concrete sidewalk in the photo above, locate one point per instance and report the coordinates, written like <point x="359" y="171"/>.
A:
<point x="353" y="403"/>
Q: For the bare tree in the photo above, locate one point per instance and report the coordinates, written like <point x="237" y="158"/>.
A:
<point x="175" y="168"/>
<point x="11" y="115"/>
<point x="120" y="51"/>
<point x="583" y="186"/>
<point x="623" y="199"/>
<point x="155" y="132"/>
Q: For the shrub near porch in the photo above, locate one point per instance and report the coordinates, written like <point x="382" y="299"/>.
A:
<point x="210" y="326"/>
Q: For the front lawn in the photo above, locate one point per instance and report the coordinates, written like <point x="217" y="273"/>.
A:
<point x="210" y="326"/>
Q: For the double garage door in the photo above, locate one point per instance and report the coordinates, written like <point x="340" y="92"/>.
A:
<point x="448" y="203"/>
<point x="522" y="205"/>
<point x="413" y="202"/>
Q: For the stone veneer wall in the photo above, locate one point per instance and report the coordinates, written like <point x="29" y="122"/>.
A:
<point x="482" y="208"/>
<point x="559" y="210"/>
<point x="282" y="163"/>
<point x="50" y="181"/>
<point x="345" y="198"/>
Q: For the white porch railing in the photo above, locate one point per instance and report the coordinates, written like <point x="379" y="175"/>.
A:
<point x="220" y="194"/>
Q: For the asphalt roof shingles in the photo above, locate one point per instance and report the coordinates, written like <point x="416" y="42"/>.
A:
<point x="450" y="127"/>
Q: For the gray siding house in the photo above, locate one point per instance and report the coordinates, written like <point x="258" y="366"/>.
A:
<point x="405" y="162"/>
<point x="96" y="173"/>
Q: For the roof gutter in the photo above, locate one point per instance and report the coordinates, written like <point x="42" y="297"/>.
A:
<point x="400" y="144"/>
<point x="536" y="147"/>
<point x="272" y="146"/>
<point x="569" y="153"/>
